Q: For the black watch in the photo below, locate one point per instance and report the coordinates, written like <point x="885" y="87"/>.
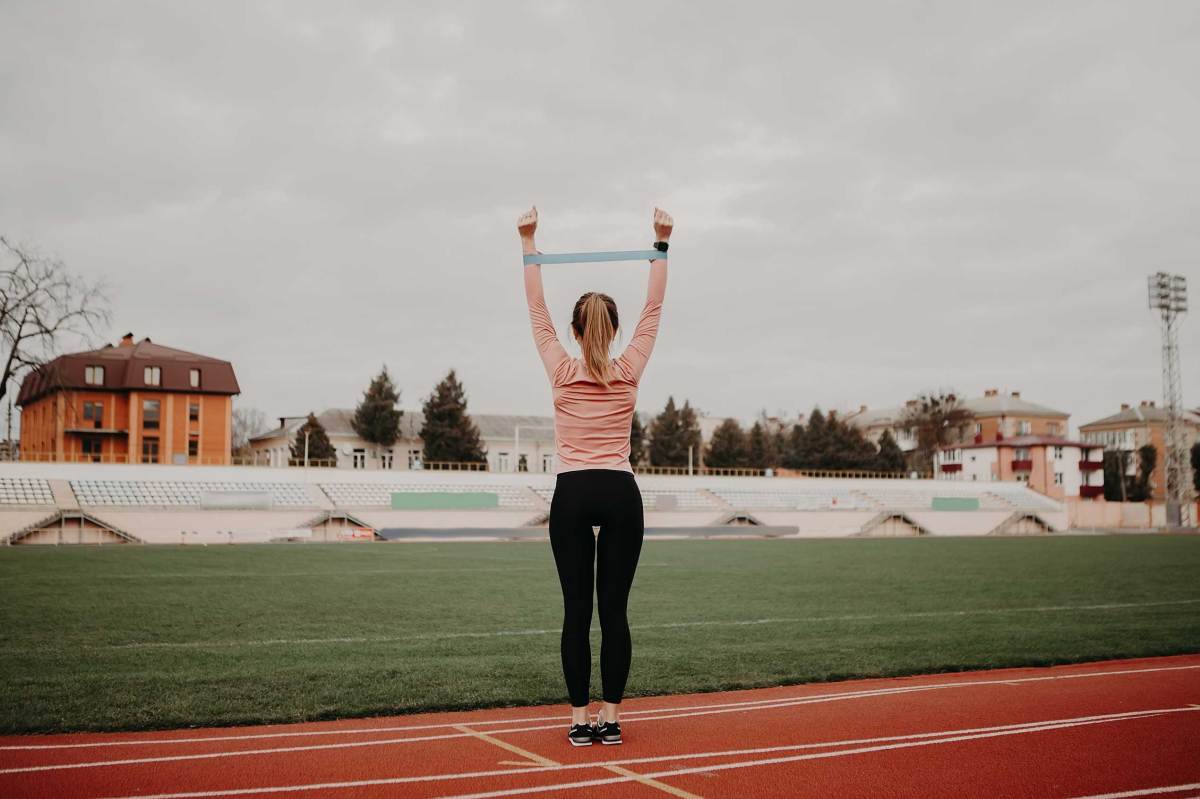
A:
<point x="661" y="246"/>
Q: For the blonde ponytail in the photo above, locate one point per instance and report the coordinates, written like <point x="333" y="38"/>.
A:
<point x="596" y="323"/>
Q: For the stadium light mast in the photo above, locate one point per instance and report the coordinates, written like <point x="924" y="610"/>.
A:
<point x="1168" y="296"/>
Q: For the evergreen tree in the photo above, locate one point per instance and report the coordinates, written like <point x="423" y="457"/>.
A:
<point x="637" y="441"/>
<point x="818" y="448"/>
<point x="448" y="432"/>
<point x="890" y="457"/>
<point x="667" y="447"/>
<point x="1117" y="485"/>
<point x="1143" y="488"/>
<point x="1196" y="466"/>
<point x="376" y="419"/>
<point x="794" y="454"/>
<point x="728" y="447"/>
<point x="758" y="455"/>
<point x="848" y="447"/>
<point x="776" y="446"/>
<point x="319" y="448"/>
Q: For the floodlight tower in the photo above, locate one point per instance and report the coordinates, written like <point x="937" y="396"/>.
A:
<point x="1168" y="295"/>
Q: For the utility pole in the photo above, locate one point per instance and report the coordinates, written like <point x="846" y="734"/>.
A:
<point x="1168" y="296"/>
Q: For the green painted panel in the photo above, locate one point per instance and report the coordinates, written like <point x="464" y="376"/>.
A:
<point x="956" y="503"/>
<point x="444" y="500"/>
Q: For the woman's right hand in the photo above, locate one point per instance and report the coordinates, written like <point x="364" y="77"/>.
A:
<point x="663" y="224"/>
<point x="527" y="225"/>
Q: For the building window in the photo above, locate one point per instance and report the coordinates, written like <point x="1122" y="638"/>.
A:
<point x="193" y="447"/>
<point x="94" y="412"/>
<point x="152" y="376"/>
<point x="150" y="410"/>
<point x="1024" y="428"/>
<point x="386" y="459"/>
<point x="1052" y="428"/>
<point x="194" y="378"/>
<point x="1020" y="454"/>
<point x="1058" y="453"/>
<point x="1058" y="478"/>
<point x="360" y="458"/>
<point x="93" y="375"/>
<point x="193" y="411"/>
<point x="414" y="459"/>
<point x="149" y="450"/>
<point x="502" y="462"/>
<point x="547" y="463"/>
<point x="522" y="463"/>
<point x="92" y="448"/>
<point x="978" y="429"/>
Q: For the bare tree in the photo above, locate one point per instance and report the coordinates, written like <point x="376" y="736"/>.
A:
<point x="42" y="304"/>
<point x="937" y="418"/>
<point x="246" y="422"/>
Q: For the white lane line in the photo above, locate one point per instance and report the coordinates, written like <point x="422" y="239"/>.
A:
<point x="788" y="759"/>
<point x="660" y="626"/>
<point x="924" y="738"/>
<point x="650" y="714"/>
<point x="1143" y="792"/>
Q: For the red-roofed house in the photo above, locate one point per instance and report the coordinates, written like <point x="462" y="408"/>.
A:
<point x="133" y="402"/>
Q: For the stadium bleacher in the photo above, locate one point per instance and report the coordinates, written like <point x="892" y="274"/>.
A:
<point x="196" y="503"/>
<point x="25" y="491"/>
<point x="169" y="493"/>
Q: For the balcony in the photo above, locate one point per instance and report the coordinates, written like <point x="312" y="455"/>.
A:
<point x="1022" y="466"/>
<point x="1090" y="466"/>
<point x="1091" y="492"/>
<point x="951" y="467"/>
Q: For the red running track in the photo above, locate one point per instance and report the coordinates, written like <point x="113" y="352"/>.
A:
<point x="1115" y="729"/>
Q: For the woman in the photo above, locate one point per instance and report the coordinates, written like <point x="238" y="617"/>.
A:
<point x="594" y="398"/>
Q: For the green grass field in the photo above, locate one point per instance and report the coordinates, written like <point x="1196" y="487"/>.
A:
<point x="145" y="637"/>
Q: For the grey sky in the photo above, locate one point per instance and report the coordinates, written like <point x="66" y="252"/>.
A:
<point x="871" y="199"/>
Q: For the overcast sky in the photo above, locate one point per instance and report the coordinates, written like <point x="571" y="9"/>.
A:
<point x="871" y="199"/>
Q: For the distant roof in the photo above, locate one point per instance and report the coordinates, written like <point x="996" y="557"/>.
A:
<point x="1142" y="414"/>
<point x="1008" y="405"/>
<point x="1025" y="441"/>
<point x="336" y="422"/>
<point x="982" y="407"/>
<point x="123" y="371"/>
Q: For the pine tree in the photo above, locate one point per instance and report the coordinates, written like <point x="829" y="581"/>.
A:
<point x="319" y="448"/>
<point x="377" y="419"/>
<point x="794" y="454"/>
<point x="776" y="447"/>
<point x="758" y="455"/>
<point x="1196" y="466"/>
<point x="890" y="457"/>
<point x="1143" y="488"/>
<point x="448" y="433"/>
<point x="637" y="441"/>
<point x="728" y="447"/>
<point x="817" y="446"/>
<point x="667" y="447"/>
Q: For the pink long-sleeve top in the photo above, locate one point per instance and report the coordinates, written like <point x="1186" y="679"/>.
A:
<point x="591" y="422"/>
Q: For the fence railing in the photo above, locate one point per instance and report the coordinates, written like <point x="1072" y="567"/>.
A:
<point x="263" y="459"/>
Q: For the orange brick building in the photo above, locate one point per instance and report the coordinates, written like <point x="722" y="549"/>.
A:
<point x="1135" y="426"/>
<point x="130" y="403"/>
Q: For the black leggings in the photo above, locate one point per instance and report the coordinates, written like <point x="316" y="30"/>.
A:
<point x="609" y="498"/>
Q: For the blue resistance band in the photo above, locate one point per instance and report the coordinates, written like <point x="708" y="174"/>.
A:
<point x="590" y="257"/>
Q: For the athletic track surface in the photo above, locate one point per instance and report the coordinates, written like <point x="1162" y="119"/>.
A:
<point x="1112" y="729"/>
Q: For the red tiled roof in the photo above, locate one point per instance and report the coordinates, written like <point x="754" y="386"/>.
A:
<point x="123" y="371"/>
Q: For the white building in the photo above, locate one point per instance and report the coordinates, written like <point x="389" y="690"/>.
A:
<point x="512" y="443"/>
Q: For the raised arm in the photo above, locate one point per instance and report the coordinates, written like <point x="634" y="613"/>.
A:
<point x="641" y="344"/>
<point x="544" y="336"/>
